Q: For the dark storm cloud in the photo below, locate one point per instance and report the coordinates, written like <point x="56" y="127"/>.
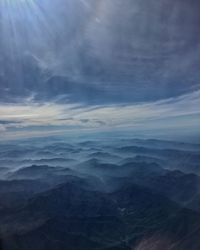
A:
<point x="99" y="52"/>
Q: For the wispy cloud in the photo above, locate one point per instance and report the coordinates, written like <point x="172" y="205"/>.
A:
<point x="181" y="112"/>
<point x="85" y="51"/>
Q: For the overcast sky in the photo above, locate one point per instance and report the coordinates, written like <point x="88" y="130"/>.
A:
<point x="70" y="65"/>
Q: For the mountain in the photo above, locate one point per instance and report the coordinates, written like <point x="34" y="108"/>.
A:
<point x="164" y="144"/>
<point x="178" y="186"/>
<point x="186" y="161"/>
<point x="41" y="172"/>
<point x="144" y="198"/>
<point x="104" y="156"/>
<point x="76" y="217"/>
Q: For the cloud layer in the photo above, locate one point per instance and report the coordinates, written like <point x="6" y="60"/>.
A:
<point x="180" y="112"/>
<point x="98" y="64"/>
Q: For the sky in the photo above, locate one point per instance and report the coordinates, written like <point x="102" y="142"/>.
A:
<point x="69" y="66"/>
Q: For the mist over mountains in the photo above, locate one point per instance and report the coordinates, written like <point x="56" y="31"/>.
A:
<point x="100" y="194"/>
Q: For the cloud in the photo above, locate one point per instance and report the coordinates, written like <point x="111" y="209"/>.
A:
<point x="182" y="111"/>
<point x="86" y="53"/>
<point x="77" y="65"/>
<point x="2" y="128"/>
<point x="84" y="120"/>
